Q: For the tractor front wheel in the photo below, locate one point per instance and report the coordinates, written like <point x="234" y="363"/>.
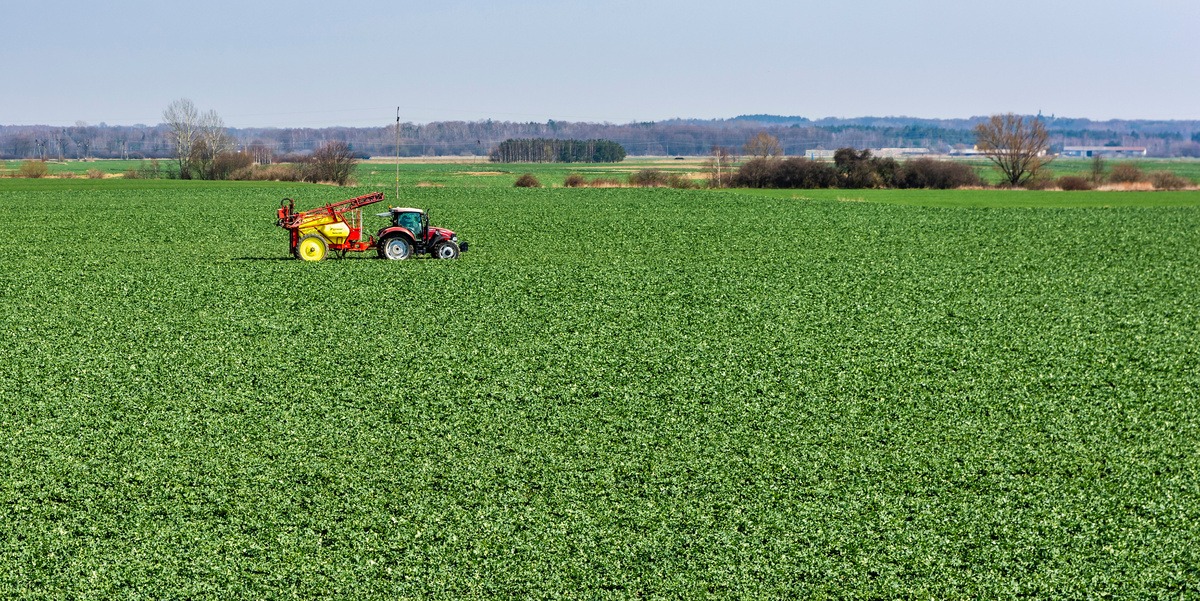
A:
<point x="394" y="248"/>
<point x="312" y="248"/>
<point x="446" y="250"/>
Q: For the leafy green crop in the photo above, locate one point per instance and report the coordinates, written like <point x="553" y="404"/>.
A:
<point x="615" y="393"/>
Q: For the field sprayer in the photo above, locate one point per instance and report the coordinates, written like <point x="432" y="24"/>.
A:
<point x="338" y="227"/>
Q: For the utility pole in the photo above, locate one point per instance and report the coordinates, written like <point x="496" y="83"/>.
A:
<point x="397" y="197"/>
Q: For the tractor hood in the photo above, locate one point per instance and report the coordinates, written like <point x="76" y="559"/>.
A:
<point x="440" y="232"/>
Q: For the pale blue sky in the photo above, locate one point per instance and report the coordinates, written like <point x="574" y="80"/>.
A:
<point x="309" y="63"/>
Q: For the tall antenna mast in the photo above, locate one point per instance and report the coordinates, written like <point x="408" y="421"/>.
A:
<point x="397" y="154"/>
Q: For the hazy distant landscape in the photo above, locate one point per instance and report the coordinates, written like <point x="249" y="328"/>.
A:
<point x="687" y="137"/>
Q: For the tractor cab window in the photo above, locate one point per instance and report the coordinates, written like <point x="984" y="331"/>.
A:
<point x="412" y="221"/>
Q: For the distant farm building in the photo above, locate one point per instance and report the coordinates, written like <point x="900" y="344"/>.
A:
<point x="1088" y="152"/>
<point x="821" y="154"/>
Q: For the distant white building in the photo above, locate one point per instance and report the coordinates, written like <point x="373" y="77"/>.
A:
<point x="821" y="154"/>
<point x="974" y="151"/>
<point x="900" y="152"/>
<point x="1088" y="152"/>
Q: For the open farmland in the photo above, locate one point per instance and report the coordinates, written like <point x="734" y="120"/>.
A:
<point x="615" y="393"/>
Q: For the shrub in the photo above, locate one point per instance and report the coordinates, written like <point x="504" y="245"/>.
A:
<point x="33" y="169"/>
<point x="574" y="180"/>
<point x="1126" y="173"/>
<point x="1042" y="179"/>
<point x="793" y="173"/>
<point x="935" y="175"/>
<point x="95" y="174"/>
<point x="527" y="180"/>
<point x="1073" y="183"/>
<point x="802" y="173"/>
<point x="1166" y="180"/>
<point x="650" y="178"/>
<point x="267" y="173"/>
<point x="224" y="165"/>
<point x="756" y="173"/>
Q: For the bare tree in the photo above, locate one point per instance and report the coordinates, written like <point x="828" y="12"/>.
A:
<point x="211" y="141"/>
<point x="1016" y="145"/>
<point x="183" y="119"/>
<point x="1097" y="169"/>
<point x="719" y="166"/>
<point x="763" y="145"/>
<point x="333" y="162"/>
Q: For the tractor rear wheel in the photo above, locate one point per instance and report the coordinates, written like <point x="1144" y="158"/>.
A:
<point x="312" y="248"/>
<point x="395" y="248"/>
<point x="446" y="250"/>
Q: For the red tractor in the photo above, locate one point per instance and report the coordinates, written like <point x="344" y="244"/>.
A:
<point x="338" y="227"/>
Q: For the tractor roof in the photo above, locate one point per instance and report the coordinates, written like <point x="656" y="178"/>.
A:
<point x="405" y="210"/>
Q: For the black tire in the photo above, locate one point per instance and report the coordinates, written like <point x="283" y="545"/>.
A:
<point x="446" y="250"/>
<point x="395" y="248"/>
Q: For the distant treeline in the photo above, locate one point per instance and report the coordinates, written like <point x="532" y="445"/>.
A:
<point x="546" y="150"/>
<point x="690" y="137"/>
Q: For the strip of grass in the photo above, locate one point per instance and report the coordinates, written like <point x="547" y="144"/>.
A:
<point x="995" y="199"/>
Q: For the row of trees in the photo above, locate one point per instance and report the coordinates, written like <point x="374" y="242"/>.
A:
<point x="203" y="150"/>
<point x="672" y="137"/>
<point x="542" y="150"/>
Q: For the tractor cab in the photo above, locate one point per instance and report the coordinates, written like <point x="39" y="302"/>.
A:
<point x="413" y="220"/>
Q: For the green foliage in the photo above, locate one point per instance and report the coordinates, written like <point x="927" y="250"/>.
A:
<point x="793" y="399"/>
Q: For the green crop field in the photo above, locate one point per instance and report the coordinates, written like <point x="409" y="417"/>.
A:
<point x="615" y="393"/>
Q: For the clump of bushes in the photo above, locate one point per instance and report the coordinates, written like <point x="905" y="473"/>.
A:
<point x="653" y="178"/>
<point x="95" y="174"/>
<point x="936" y="175"/>
<point x="795" y="172"/>
<point x="855" y="169"/>
<point x="1166" y="180"/>
<point x="1073" y="183"/>
<point x="1126" y="173"/>
<point x="268" y="173"/>
<point x="33" y="169"/>
<point x="145" y="170"/>
<point x="575" y="180"/>
<point x="226" y="164"/>
<point x="527" y="180"/>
